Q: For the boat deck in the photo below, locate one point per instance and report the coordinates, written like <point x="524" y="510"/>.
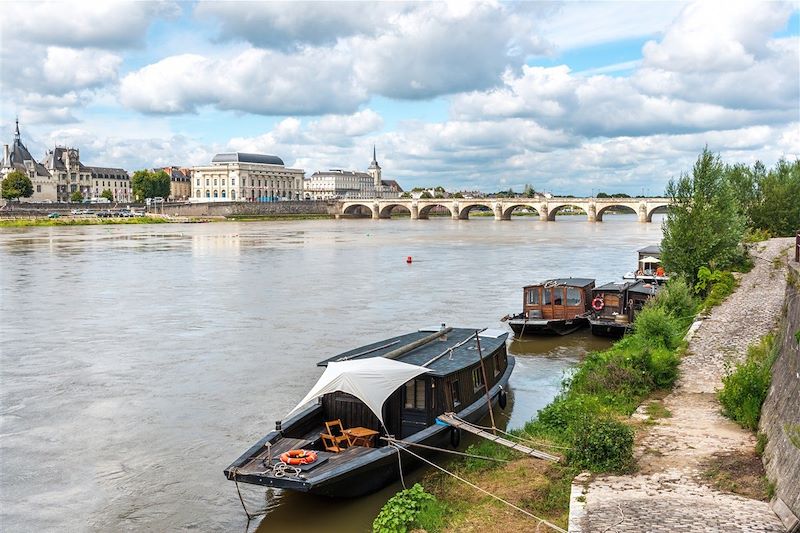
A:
<point x="326" y="461"/>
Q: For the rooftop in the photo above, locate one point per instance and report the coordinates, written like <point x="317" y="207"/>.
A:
<point x="241" y="157"/>
<point x="572" y="282"/>
<point x="461" y="356"/>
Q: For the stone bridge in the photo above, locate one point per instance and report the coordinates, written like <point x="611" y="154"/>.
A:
<point x="502" y="208"/>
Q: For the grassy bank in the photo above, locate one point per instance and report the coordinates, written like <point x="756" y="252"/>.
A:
<point x="27" y="222"/>
<point x="587" y="424"/>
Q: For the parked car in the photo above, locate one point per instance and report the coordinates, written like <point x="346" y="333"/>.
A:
<point x="53" y="215"/>
<point x="105" y="214"/>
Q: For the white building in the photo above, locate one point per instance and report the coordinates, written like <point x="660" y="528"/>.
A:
<point x="336" y="183"/>
<point x="234" y="177"/>
<point x="115" y="180"/>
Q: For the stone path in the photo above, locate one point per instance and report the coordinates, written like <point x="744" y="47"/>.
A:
<point x="665" y="494"/>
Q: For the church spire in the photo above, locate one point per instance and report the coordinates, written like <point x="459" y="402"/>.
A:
<point x="16" y="131"/>
<point x="374" y="158"/>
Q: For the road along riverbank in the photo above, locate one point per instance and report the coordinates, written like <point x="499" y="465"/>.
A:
<point x="669" y="491"/>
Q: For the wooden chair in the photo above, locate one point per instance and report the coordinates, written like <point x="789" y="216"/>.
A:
<point x="335" y="440"/>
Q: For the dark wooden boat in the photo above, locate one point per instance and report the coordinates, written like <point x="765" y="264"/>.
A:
<point x="615" y="305"/>
<point x="454" y="382"/>
<point x="554" y="307"/>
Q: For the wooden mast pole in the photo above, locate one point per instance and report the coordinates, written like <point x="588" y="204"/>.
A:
<point x="485" y="381"/>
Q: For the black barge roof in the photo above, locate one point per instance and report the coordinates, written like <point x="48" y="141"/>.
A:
<point x="654" y="249"/>
<point x="572" y="282"/>
<point x="461" y="357"/>
<point x="613" y="287"/>
<point x="644" y="287"/>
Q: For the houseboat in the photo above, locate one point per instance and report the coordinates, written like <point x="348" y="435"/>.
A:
<point x="615" y="305"/>
<point x="334" y="442"/>
<point x="554" y="307"/>
<point x="648" y="266"/>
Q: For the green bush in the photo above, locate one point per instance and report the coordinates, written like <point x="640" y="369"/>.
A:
<point x="677" y="300"/>
<point x="602" y="444"/>
<point x="746" y="386"/>
<point x="408" y="508"/>
<point x="663" y="367"/>
<point x="756" y="235"/>
<point x="653" y="325"/>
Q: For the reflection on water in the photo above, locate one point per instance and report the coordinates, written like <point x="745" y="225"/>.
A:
<point x="136" y="362"/>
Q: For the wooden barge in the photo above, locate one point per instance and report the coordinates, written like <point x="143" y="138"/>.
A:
<point x="454" y="370"/>
<point x="648" y="266"/>
<point x="615" y="305"/>
<point x="554" y="307"/>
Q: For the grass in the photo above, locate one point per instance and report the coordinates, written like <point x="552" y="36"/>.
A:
<point x="738" y="473"/>
<point x="656" y="410"/>
<point x="745" y="386"/>
<point x="29" y="222"/>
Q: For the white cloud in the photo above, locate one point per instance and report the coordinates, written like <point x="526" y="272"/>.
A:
<point x="257" y="81"/>
<point x="82" y="24"/>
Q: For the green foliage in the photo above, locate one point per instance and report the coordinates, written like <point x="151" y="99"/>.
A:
<point x="458" y="195"/>
<point x="147" y="184"/>
<point x="425" y="194"/>
<point x="715" y="285"/>
<point x="406" y="508"/>
<point x="704" y="223"/>
<point x="677" y="300"/>
<point x="486" y="449"/>
<point x="752" y="235"/>
<point x="775" y="207"/>
<point x="76" y="197"/>
<point x="107" y="194"/>
<point x="16" y="185"/>
<point x="602" y="444"/>
<point x="761" y="443"/>
<point x="653" y="324"/>
<point x="745" y="387"/>
<point x="405" y="195"/>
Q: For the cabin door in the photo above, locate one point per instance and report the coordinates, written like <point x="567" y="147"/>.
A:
<point x="414" y="410"/>
<point x="554" y="299"/>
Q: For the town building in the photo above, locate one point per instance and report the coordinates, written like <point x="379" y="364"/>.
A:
<point x="180" y="182"/>
<point x="238" y="176"/>
<point x="17" y="157"/>
<point x="115" y="180"/>
<point x="335" y="184"/>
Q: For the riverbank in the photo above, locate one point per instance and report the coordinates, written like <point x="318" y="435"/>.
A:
<point x="83" y="221"/>
<point x="690" y="464"/>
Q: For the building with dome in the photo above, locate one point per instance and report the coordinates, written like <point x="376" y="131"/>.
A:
<point x="242" y="177"/>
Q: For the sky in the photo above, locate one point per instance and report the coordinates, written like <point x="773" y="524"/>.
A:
<point x="569" y="97"/>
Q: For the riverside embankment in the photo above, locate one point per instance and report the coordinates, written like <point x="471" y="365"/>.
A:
<point x="669" y="491"/>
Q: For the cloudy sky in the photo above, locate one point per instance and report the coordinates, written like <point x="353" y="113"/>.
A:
<point x="569" y="97"/>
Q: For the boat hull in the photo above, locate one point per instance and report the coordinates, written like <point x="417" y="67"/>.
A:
<point x="377" y="467"/>
<point x="522" y="327"/>
<point x="609" y="328"/>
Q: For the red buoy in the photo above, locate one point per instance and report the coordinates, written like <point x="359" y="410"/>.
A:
<point x="408" y="259"/>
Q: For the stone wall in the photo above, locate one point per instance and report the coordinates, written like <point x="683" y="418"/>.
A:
<point x="34" y="209"/>
<point x="780" y="416"/>
<point x="311" y="207"/>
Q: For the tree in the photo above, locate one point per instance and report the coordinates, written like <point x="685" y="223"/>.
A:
<point x="777" y="205"/>
<point x="76" y="197"/>
<point x="16" y="185"/>
<point x="458" y="195"/>
<point x="425" y="194"/>
<point x="147" y="184"/>
<point x="107" y="194"/>
<point x="704" y="226"/>
<point x="405" y="195"/>
<point x="603" y="195"/>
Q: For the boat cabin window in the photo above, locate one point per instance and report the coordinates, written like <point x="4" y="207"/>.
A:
<point x="573" y="296"/>
<point x="554" y="296"/>
<point x="533" y="296"/>
<point x="497" y="364"/>
<point x="415" y="394"/>
<point x="477" y="378"/>
<point x="455" y="393"/>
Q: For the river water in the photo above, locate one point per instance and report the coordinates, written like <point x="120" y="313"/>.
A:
<point x="137" y="362"/>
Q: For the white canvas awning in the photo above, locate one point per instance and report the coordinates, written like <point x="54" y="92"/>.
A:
<point x="370" y="380"/>
<point x="650" y="259"/>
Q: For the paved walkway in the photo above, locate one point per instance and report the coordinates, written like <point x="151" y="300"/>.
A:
<point x="665" y="494"/>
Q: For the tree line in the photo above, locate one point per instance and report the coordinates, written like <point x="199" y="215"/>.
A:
<point x="718" y="206"/>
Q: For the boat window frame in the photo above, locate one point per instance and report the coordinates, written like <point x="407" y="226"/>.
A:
<point x="414" y="386"/>
<point x="497" y="361"/>
<point x="560" y="301"/>
<point x="477" y="379"/>
<point x="579" y="293"/>
<point x="533" y="292"/>
<point x="455" y="394"/>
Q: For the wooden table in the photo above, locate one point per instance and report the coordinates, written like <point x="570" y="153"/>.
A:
<point x="362" y="436"/>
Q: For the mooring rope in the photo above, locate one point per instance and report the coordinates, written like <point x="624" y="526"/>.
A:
<point x="250" y="515"/>
<point x="498" y="498"/>
<point x="445" y="450"/>
<point x="399" y="464"/>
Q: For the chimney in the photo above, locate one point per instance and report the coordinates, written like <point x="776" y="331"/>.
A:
<point x="6" y="156"/>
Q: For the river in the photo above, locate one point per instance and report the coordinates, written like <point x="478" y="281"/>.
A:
<point x="138" y="361"/>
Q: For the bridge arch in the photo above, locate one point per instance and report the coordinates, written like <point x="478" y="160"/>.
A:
<point x="508" y="211"/>
<point x="424" y="211"/>
<point x="464" y="211"/>
<point x="628" y="208"/>
<point x="356" y="210"/>
<point x="657" y="209"/>
<point x="553" y="211"/>
<point x="388" y="210"/>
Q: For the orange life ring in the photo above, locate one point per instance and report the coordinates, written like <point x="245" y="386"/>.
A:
<point x="598" y="304"/>
<point x="299" y="457"/>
